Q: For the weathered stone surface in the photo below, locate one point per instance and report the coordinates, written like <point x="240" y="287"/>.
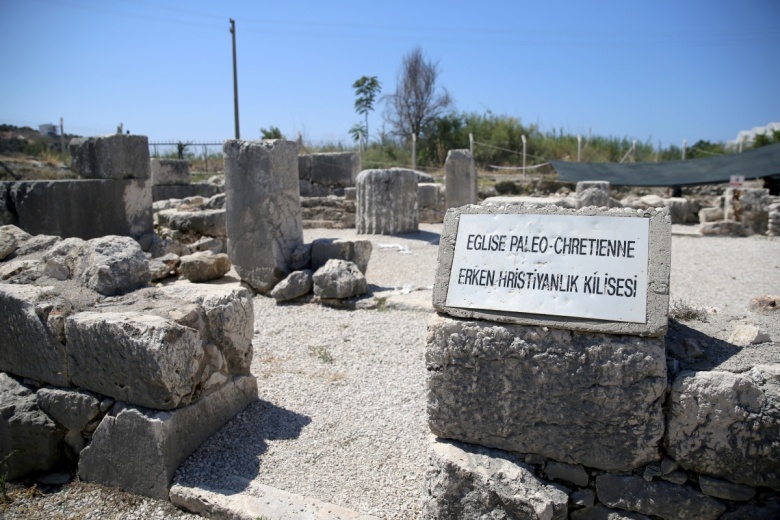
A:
<point x="329" y="212"/>
<point x="765" y="303"/>
<point x="29" y="439"/>
<point x="430" y="202"/>
<point x="181" y="191"/>
<point x="592" y="196"/>
<point x="327" y="173"/>
<point x="604" y="513"/>
<point x="583" y="498"/>
<point x="170" y="171"/>
<point x="26" y="337"/>
<point x="140" y="359"/>
<point x="263" y="209"/>
<point x="386" y="202"/>
<point x="572" y="473"/>
<point x="460" y="179"/>
<point x="583" y="186"/>
<point x="116" y="156"/>
<point x="748" y="206"/>
<point x="718" y="488"/>
<point x="339" y="279"/>
<point x="295" y="285"/>
<point x="215" y="245"/>
<point x="357" y="251"/>
<point x="7" y="244"/>
<point x="769" y="510"/>
<point x="113" y="265"/>
<point x="658" y="498"/>
<point x="710" y="214"/>
<point x="209" y="222"/>
<point x="16" y="232"/>
<point x="229" y="319"/>
<point x="744" y="334"/>
<point x="466" y="481"/>
<point x="679" y="208"/>
<point x="592" y="399"/>
<point x="35" y="244"/>
<point x="139" y="450"/>
<point x="72" y="408"/>
<point x="204" y="266"/>
<point x="424" y="177"/>
<point x="301" y="257"/>
<point x="256" y="501"/>
<point x="727" y="228"/>
<point x="726" y="425"/>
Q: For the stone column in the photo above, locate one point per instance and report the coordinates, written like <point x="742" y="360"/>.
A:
<point x="263" y="207"/>
<point x="386" y="202"/>
<point x="460" y="179"/>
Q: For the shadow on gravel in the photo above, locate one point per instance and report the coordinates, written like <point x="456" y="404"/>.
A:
<point x="232" y="458"/>
<point x="695" y="350"/>
<point x="423" y="236"/>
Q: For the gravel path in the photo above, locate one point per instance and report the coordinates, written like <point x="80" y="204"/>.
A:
<point x="342" y="410"/>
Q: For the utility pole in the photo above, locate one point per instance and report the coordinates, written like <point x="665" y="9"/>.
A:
<point x="235" y="77"/>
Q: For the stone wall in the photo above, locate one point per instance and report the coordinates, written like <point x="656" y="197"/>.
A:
<point x="129" y="379"/>
<point x="323" y="174"/>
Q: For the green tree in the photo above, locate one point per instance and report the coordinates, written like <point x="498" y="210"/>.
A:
<point x="272" y="132"/>
<point x="367" y="88"/>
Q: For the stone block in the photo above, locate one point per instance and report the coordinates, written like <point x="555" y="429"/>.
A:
<point x="726" y="425"/>
<point x="116" y="156"/>
<point x="725" y="228"/>
<point x="339" y="279"/>
<point x="583" y="186"/>
<point x="748" y="206"/>
<point x="139" y="450"/>
<point x="718" y="488"/>
<point x="386" y="202"/>
<point x="572" y="473"/>
<point x="460" y="179"/>
<point x="204" y="266"/>
<point x="678" y="209"/>
<point x="297" y="283"/>
<point x="465" y="481"/>
<point x="263" y="209"/>
<point x="229" y="319"/>
<point x="600" y="512"/>
<point x="331" y="171"/>
<point x="26" y="336"/>
<point x="84" y="208"/>
<point x="657" y="270"/>
<point x="592" y="197"/>
<point x="170" y="172"/>
<point x="210" y="222"/>
<point x="182" y="191"/>
<point x="710" y="214"/>
<point x="591" y="399"/>
<point x="29" y="439"/>
<point x="657" y="498"/>
<point x="113" y="265"/>
<point x="141" y="359"/>
<point x="357" y="251"/>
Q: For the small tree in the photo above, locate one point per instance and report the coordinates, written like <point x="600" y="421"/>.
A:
<point x="416" y="102"/>
<point x="366" y="89"/>
<point x="272" y="132"/>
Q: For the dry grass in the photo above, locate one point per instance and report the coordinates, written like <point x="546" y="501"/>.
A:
<point x="683" y="310"/>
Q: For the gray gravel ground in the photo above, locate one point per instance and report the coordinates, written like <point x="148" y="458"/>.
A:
<point x="342" y="410"/>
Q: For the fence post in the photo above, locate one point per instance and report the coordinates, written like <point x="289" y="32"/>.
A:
<point x="579" y="148"/>
<point x="414" y="151"/>
<point x="685" y="145"/>
<point x="471" y="144"/>
<point x="206" y="157"/>
<point x="523" y="136"/>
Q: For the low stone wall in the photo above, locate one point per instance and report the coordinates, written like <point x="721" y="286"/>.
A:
<point x="128" y="378"/>
<point x="323" y="174"/>
<point x="328" y="212"/>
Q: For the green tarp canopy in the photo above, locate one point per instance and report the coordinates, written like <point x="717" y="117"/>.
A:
<point x="753" y="164"/>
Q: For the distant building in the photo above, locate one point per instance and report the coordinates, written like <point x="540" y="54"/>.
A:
<point x="49" y="130"/>
<point x="748" y="136"/>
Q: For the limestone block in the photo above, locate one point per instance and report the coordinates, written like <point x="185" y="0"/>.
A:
<point x="583" y="186"/>
<point x="460" y="179"/>
<point x="18" y="233"/>
<point x="726" y="425"/>
<point x="113" y="265"/>
<point x="600" y="512"/>
<point x="297" y="283"/>
<point x="204" y="266"/>
<point x="264" y="222"/>
<point x="215" y="245"/>
<point x="8" y="244"/>
<point x="749" y="206"/>
<point x="592" y="197"/>
<point x="710" y="214"/>
<point x="139" y="450"/>
<point x="329" y="170"/>
<point x="180" y="191"/>
<point x="678" y="209"/>
<point x="35" y="244"/>
<point x="728" y="228"/>
<point x="744" y="334"/>
<point x="26" y="337"/>
<point x="170" y="171"/>
<point x="95" y="208"/>
<point x="29" y="439"/>
<point x="7" y="217"/>
<point x="386" y="202"/>
<point x="423" y="177"/>
<point x="140" y="359"/>
<point x="657" y="498"/>
<point x="726" y="490"/>
<point x="339" y="279"/>
<point x="72" y="408"/>
<point x="229" y="319"/>
<point x="573" y="473"/>
<point x="591" y="399"/>
<point x="466" y="481"/>
<point x="301" y="257"/>
<point x="357" y="251"/>
<point x="116" y="156"/>
<point x="210" y="222"/>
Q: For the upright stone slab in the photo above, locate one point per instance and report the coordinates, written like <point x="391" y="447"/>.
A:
<point x="263" y="206"/>
<point x="387" y="202"/>
<point x="323" y="174"/>
<point x="460" y="179"/>
<point x="167" y="172"/>
<point x="116" y="156"/>
<point x="749" y="206"/>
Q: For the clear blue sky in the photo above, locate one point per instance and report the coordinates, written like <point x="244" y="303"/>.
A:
<point x="659" y="71"/>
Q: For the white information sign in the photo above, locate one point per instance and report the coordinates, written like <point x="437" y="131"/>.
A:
<point x="736" y="181"/>
<point x="562" y="265"/>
